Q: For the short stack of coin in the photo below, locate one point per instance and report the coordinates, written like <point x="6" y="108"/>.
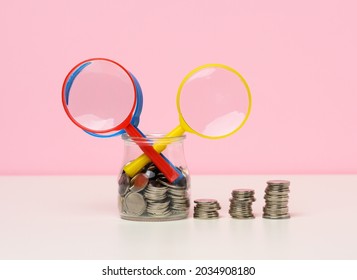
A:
<point x="241" y="204"/>
<point x="276" y="200"/>
<point x="206" y="209"/>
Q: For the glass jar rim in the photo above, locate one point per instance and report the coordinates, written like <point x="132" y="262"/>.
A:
<point x="154" y="137"/>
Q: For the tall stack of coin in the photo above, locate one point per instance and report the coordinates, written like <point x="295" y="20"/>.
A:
<point x="148" y="193"/>
<point x="206" y="209"/>
<point x="276" y="200"/>
<point x="241" y="204"/>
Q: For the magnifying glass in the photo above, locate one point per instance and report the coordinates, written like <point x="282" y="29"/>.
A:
<point x="135" y="120"/>
<point x="99" y="96"/>
<point x="213" y="101"/>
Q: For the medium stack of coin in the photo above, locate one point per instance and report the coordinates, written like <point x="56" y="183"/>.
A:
<point x="206" y="209"/>
<point x="180" y="201"/>
<point x="149" y="193"/>
<point x="177" y="193"/>
<point x="157" y="200"/>
<point x="241" y="204"/>
<point x="276" y="200"/>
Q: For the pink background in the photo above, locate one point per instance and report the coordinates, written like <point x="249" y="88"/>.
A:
<point x="299" y="58"/>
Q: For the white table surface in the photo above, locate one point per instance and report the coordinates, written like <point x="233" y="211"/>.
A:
<point x="76" y="217"/>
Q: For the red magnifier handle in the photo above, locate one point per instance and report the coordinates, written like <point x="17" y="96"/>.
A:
<point x="170" y="173"/>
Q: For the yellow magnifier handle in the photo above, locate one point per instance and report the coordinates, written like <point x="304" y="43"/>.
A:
<point x="136" y="165"/>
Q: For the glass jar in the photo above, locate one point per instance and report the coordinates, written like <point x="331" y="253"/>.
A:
<point x="145" y="194"/>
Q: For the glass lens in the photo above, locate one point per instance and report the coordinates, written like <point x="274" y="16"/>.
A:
<point x="214" y="101"/>
<point x="99" y="95"/>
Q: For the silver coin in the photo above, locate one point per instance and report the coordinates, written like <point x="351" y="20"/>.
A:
<point x="240" y="206"/>
<point x="277" y="191"/>
<point x="200" y="209"/>
<point x="177" y="198"/>
<point x="163" y="181"/>
<point x="205" y="212"/>
<point x="276" y="197"/>
<point x="135" y="204"/>
<point x="150" y="174"/>
<point x="205" y="200"/>
<point x="235" y="195"/>
<point x="207" y="205"/>
<point x="180" y="191"/>
<point x="161" y="204"/>
<point x="207" y="216"/>
<point x="242" y="201"/>
<point x="204" y="208"/>
<point x="243" y="191"/>
<point x="124" y="184"/>
<point x="278" y="187"/>
<point x="242" y="217"/>
<point x="279" y="182"/>
<point x="178" y="207"/>
<point x="158" y="205"/>
<point x="164" y="214"/>
<point x="276" y="217"/>
<point x="275" y="210"/>
<point x="277" y="204"/>
<point x="273" y="189"/>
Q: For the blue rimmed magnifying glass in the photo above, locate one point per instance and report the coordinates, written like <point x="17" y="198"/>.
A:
<point x="135" y="120"/>
<point x="104" y="99"/>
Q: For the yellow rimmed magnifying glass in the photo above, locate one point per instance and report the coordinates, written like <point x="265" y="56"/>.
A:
<point x="213" y="101"/>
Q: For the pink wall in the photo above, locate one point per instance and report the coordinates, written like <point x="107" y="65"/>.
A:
<point x="299" y="59"/>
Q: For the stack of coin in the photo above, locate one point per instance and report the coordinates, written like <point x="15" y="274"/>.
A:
<point x="276" y="200"/>
<point x="177" y="193"/>
<point x="180" y="201"/>
<point x="206" y="209"/>
<point x="241" y="204"/>
<point x="157" y="200"/>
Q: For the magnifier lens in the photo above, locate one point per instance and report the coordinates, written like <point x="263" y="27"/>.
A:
<point x="100" y="96"/>
<point x="214" y="101"/>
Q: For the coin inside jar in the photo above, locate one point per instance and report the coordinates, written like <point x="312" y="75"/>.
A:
<point x="139" y="182"/>
<point x="134" y="204"/>
<point x="150" y="174"/>
<point x="124" y="184"/>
